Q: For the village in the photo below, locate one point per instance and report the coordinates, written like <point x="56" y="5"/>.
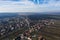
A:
<point x="32" y="29"/>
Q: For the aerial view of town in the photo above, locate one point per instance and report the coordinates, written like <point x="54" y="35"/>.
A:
<point x="29" y="27"/>
<point x="29" y="19"/>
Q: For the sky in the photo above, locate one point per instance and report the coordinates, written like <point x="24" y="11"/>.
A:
<point x="29" y="6"/>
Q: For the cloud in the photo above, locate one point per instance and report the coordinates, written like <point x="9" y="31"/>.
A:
<point x="17" y="7"/>
<point x="9" y="0"/>
<point x="28" y="6"/>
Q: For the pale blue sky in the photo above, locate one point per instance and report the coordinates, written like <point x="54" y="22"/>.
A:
<point x="29" y="6"/>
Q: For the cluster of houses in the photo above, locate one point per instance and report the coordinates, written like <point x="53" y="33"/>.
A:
<point x="37" y="27"/>
<point x="28" y="36"/>
<point x="8" y="25"/>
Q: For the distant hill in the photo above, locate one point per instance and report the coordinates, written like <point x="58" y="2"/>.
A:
<point x="33" y="16"/>
<point x="3" y="15"/>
